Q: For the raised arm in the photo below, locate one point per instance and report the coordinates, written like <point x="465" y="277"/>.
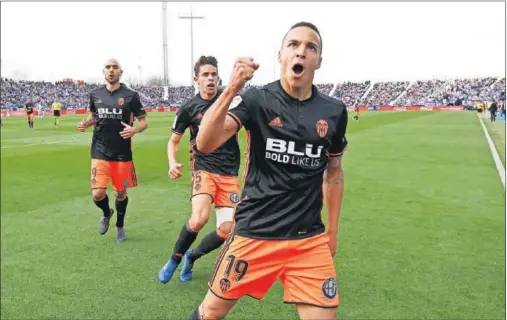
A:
<point x="216" y="127"/>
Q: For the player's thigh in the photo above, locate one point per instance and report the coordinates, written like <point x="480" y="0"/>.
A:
<point x="201" y="209"/>
<point x="214" y="307"/>
<point x="226" y="199"/>
<point x="203" y="196"/>
<point x="247" y="267"/>
<point x="124" y="175"/>
<point x="203" y="183"/>
<point x="308" y="312"/>
<point x="100" y="174"/>
<point x="227" y="193"/>
<point x="311" y="266"/>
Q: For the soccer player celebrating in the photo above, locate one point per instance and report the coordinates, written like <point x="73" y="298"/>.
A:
<point x="29" y="108"/>
<point x="214" y="176"/>
<point x="112" y="111"/>
<point x="296" y="137"/>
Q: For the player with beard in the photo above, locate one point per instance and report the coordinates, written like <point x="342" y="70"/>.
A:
<point x="112" y="111"/>
<point x="214" y="176"/>
<point x="296" y="137"/>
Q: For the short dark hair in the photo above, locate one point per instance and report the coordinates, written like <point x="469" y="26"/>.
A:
<point x="204" y="60"/>
<point x="308" y="25"/>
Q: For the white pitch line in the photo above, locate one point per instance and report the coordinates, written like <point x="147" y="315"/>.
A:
<point x="28" y="138"/>
<point x="494" y="152"/>
<point x="41" y="143"/>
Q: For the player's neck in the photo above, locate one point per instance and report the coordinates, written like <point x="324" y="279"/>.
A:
<point x="113" y="86"/>
<point x="206" y="96"/>
<point x="301" y="94"/>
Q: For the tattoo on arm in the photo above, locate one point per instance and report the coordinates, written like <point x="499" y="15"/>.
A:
<point x="334" y="172"/>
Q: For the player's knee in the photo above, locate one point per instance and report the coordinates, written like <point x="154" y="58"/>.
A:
<point x="120" y="195"/>
<point x="225" y="229"/>
<point x="200" y="216"/>
<point x="99" y="194"/>
<point x="212" y="311"/>
<point x="196" y="223"/>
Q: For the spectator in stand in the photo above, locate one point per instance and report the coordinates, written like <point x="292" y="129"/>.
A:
<point x="350" y="93"/>
<point x="465" y="92"/>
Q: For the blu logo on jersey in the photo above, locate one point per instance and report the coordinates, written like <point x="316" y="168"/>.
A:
<point x="286" y="152"/>
<point x="111" y="113"/>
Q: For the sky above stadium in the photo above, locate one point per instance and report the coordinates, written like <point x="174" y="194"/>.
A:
<point x="361" y="41"/>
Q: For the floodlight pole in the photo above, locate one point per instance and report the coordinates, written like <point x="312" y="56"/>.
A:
<point x="191" y="17"/>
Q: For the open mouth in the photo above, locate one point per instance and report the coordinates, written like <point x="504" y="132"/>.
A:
<point x="297" y="68"/>
<point x="211" y="85"/>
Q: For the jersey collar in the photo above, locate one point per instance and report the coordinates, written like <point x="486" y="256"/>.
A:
<point x="277" y="85"/>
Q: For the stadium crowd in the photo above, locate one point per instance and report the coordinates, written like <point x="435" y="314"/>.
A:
<point x="466" y="92"/>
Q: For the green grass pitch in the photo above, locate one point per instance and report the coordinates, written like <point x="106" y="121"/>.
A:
<point x="422" y="232"/>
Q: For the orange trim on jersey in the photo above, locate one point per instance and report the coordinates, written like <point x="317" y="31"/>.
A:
<point x="336" y="154"/>
<point x="247" y="161"/>
<point x="191" y="145"/>
<point x="192" y="159"/>
<point x="240" y="124"/>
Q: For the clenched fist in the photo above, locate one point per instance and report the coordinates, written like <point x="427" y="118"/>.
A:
<point x="243" y="71"/>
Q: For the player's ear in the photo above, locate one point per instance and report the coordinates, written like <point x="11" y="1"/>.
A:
<point x="319" y="63"/>
<point x="121" y="72"/>
<point x="196" y="79"/>
<point x="279" y="56"/>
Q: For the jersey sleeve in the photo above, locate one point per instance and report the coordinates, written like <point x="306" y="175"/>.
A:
<point x="137" y="107"/>
<point x="181" y="121"/>
<point x="91" y="107"/>
<point x="241" y="108"/>
<point x="339" y="141"/>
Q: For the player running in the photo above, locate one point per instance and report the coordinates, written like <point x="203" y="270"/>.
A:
<point x="214" y="176"/>
<point x="30" y="108"/>
<point x="112" y="111"/>
<point x="57" y="106"/>
<point x="296" y="137"/>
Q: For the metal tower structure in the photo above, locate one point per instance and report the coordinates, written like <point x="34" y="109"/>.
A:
<point x="191" y="17"/>
<point x="164" y="43"/>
